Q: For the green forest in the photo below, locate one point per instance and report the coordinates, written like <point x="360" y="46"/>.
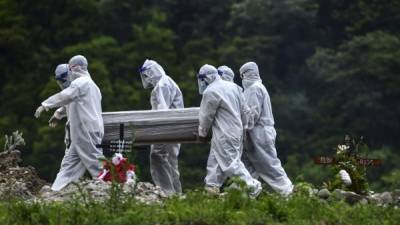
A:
<point x="332" y="67"/>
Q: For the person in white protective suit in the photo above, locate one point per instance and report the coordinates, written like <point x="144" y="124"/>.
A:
<point x="259" y="154"/>
<point x="83" y="98"/>
<point x="221" y="112"/>
<point x="63" y="80"/>
<point x="226" y="73"/>
<point x="163" y="157"/>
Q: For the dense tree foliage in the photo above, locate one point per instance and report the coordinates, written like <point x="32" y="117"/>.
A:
<point x="331" y="67"/>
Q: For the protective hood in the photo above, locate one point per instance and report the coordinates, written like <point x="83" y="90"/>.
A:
<point x="249" y="74"/>
<point x="226" y="73"/>
<point x="150" y="73"/>
<point x="78" y="67"/>
<point x="207" y="75"/>
<point x="62" y="76"/>
<point x="249" y="71"/>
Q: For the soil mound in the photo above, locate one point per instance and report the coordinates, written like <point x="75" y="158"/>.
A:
<point x="15" y="180"/>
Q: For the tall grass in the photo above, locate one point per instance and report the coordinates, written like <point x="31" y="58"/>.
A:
<point x="199" y="209"/>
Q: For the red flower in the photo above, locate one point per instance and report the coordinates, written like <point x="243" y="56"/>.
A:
<point x="117" y="172"/>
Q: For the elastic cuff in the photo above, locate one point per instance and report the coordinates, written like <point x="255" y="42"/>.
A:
<point x="45" y="107"/>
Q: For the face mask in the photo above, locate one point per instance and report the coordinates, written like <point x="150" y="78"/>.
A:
<point x="76" y="71"/>
<point x="247" y="83"/>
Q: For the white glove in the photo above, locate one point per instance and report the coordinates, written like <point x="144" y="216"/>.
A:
<point x="39" y="111"/>
<point x="53" y="121"/>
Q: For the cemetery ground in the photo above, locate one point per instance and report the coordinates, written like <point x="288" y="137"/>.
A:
<point x="197" y="207"/>
<point x="24" y="201"/>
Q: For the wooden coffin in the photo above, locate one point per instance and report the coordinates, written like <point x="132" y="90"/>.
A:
<point x="152" y="126"/>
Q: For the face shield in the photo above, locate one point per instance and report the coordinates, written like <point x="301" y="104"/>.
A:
<point x="146" y="78"/>
<point x="201" y="79"/>
<point x="63" y="80"/>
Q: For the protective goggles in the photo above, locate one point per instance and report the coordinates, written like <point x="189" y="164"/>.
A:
<point x="201" y="76"/>
<point x="242" y="74"/>
<point x="62" y="77"/>
<point x="142" y="69"/>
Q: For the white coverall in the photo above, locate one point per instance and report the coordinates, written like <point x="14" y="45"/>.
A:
<point x="226" y="73"/>
<point x="221" y="110"/>
<point x="163" y="157"/>
<point x="83" y="98"/>
<point x="61" y="113"/>
<point x="260" y="154"/>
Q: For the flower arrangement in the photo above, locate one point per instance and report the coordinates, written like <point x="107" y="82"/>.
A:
<point x="118" y="169"/>
<point x="350" y="174"/>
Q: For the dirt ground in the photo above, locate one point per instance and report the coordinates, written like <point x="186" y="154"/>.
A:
<point x="15" y="180"/>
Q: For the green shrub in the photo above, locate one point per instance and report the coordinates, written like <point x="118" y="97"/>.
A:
<point x="347" y="158"/>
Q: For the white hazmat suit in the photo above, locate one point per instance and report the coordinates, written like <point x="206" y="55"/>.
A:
<point x="163" y="157"/>
<point x="83" y="98"/>
<point x="227" y="74"/>
<point x="221" y="110"/>
<point x="260" y="154"/>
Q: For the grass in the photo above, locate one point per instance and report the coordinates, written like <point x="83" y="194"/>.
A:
<point x="199" y="209"/>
